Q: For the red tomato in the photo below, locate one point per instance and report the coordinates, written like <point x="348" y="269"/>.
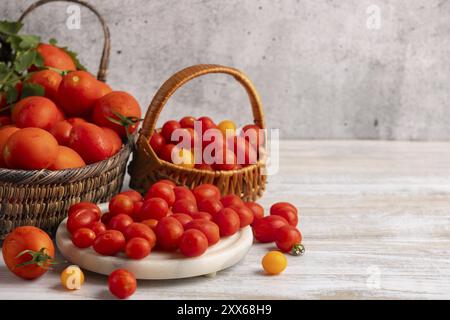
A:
<point x="67" y="159"/>
<point x="245" y="215"/>
<point x="228" y="221"/>
<point x="161" y="190"/>
<point x="210" y="205"/>
<point x="98" y="227"/>
<point x="154" y="208"/>
<point x="186" y="136"/>
<point x="83" y="218"/>
<point x="121" y="204"/>
<point x="287" y="237"/>
<point x="114" y="139"/>
<point x="133" y="195"/>
<point x="168" y="128"/>
<point x="122" y="283"/>
<point x="279" y="205"/>
<point x="231" y="200"/>
<point x="140" y="230"/>
<point x="49" y="80"/>
<point x="245" y="153"/>
<point x="265" y="229"/>
<point x="38" y="112"/>
<point x="157" y="142"/>
<point x="61" y="130"/>
<point x="187" y="122"/>
<point x="106" y="217"/>
<point x="205" y="191"/>
<point x="169" y="182"/>
<point x="137" y="248"/>
<point x="168" y="233"/>
<point x="202" y="215"/>
<point x="56" y="57"/>
<point x="5" y="133"/>
<point x="120" y="222"/>
<point x="137" y="207"/>
<point x="258" y="210"/>
<point x="227" y="162"/>
<point x="207" y="123"/>
<point x="109" y="243"/>
<point x="288" y="214"/>
<point x="193" y="243"/>
<point x="83" y="238"/>
<point x="151" y="223"/>
<point x="183" y="218"/>
<point x="27" y="238"/>
<point x="182" y="192"/>
<point x="85" y="206"/>
<point x="209" y="228"/>
<point x="184" y="206"/>
<point x="166" y="152"/>
<point x="253" y="134"/>
<point x="4" y="120"/>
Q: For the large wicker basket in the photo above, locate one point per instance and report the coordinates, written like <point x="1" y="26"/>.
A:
<point x="42" y="198"/>
<point x="146" y="168"/>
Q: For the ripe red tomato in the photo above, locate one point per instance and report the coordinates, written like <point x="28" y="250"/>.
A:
<point x="193" y="243"/>
<point x="49" y="79"/>
<point x="210" y="205"/>
<point x="183" y="218"/>
<point x="253" y="134"/>
<point x="279" y="205"/>
<point x="137" y="248"/>
<point x="114" y="139"/>
<point x="185" y="136"/>
<point x="98" y="227"/>
<point x="137" y="207"/>
<point x="207" y="123"/>
<point x="27" y="238"/>
<point x="288" y="214"/>
<point x="265" y="229"/>
<point x="287" y="237"/>
<point x="154" y="208"/>
<point x="166" y="152"/>
<point x="209" y="229"/>
<point x="84" y="205"/>
<point x="245" y="153"/>
<point x="169" y="182"/>
<point x="228" y="221"/>
<point x="245" y="215"/>
<point x="151" y="223"/>
<point x="182" y="192"/>
<point x="258" y="210"/>
<point x="187" y="122"/>
<point x="83" y="238"/>
<point x="168" y="128"/>
<point x="121" y="204"/>
<point x="231" y="200"/>
<point x="133" y="195"/>
<point x="106" y="217"/>
<point x="109" y="243"/>
<point x="82" y="218"/>
<point x="168" y="232"/>
<point x="161" y="190"/>
<point x="184" y="206"/>
<point x="140" y="230"/>
<point x="61" y="130"/>
<point x="227" y="161"/>
<point x="202" y="215"/>
<point x="157" y="142"/>
<point x="122" y="283"/>
<point x="56" y="57"/>
<point x="120" y="222"/>
<point x="205" y="191"/>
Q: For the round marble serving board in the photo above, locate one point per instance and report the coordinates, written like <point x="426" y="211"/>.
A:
<point x="159" y="265"/>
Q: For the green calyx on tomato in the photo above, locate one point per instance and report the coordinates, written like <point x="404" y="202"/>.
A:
<point x="298" y="250"/>
<point x="126" y="122"/>
<point x="39" y="258"/>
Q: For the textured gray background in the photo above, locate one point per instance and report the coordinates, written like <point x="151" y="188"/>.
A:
<point x="320" y="71"/>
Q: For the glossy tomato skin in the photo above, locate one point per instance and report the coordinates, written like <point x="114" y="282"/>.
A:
<point x="205" y="191"/>
<point x="121" y="203"/>
<point x="168" y="232"/>
<point x="67" y="158"/>
<point x="120" y="222"/>
<point x="137" y="207"/>
<point x="193" y="243"/>
<point x="157" y="142"/>
<point x="106" y="217"/>
<point x="154" y="208"/>
<point x="288" y="214"/>
<point x="169" y="182"/>
<point x="151" y="223"/>
<point x="168" y="128"/>
<point x="133" y="195"/>
<point x="245" y="215"/>
<point x="282" y="205"/>
<point x="258" y="210"/>
<point x="83" y="238"/>
<point x="5" y="133"/>
<point x="122" y="283"/>
<point x="49" y="79"/>
<point x="231" y="200"/>
<point x="61" y="132"/>
<point x="137" y="248"/>
<point x="98" y="227"/>
<point x="228" y="221"/>
<point x="202" y="215"/>
<point x="210" y="205"/>
<point x="209" y="229"/>
<point x="286" y="237"/>
<point x="84" y="205"/>
<point x="109" y="243"/>
<point x="187" y="122"/>
<point x="114" y="138"/>
<point x="161" y="190"/>
<point x="182" y="192"/>
<point x="183" y="218"/>
<point x="166" y="152"/>
<point x="265" y="229"/>
<point x="21" y="239"/>
<point x="140" y="230"/>
<point x="83" y="218"/>
<point x="184" y="206"/>
<point x="91" y="142"/>
<point x="207" y="123"/>
<point x="55" y="57"/>
<point x="253" y="134"/>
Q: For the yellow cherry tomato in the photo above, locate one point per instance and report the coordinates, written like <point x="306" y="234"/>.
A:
<point x="183" y="158"/>
<point x="72" y="278"/>
<point x="227" y="125"/>
<point x="274" y="262"/>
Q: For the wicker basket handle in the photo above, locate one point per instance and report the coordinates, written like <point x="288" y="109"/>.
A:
<point x="181" y="77"/>
<point x="104" y="61"/>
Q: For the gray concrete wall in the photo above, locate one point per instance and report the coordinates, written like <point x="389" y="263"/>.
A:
<point x="321" y="72"/>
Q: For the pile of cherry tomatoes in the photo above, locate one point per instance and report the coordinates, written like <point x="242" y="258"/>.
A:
<point x="193" y="143"/>
<point x="79" y="120"/>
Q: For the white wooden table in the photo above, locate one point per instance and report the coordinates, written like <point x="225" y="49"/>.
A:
<point x="376" y="223"/>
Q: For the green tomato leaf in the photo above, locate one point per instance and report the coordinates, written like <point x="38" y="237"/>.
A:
<point x="39" y="61"/>
<point x="11" y="95"/>
<point x="29" y="41"/>
<point x="24" y="60"/>
<point x="53" y="41"/>
<point x="10" y="27"/>
<point x="32" y="89"/>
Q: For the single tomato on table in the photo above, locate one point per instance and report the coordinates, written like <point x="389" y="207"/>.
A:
<point x="122" y="283"/>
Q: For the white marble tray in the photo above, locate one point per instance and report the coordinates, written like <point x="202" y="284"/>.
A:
<point x="159" y="265"/>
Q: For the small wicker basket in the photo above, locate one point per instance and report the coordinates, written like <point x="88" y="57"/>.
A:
<point x="146" y="168"/>
<point x="42" y="198"/>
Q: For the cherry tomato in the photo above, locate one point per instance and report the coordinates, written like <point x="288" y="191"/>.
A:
<point x="157" y="142"/>
<point x="161" y="190"/>
<point x="184" y="206"/>
<point x="168" y="128"/>
<point x="121" y="204"/>
<point x="231" y="200"/>
<point x="122" y="283"/>
<point x="287" y="237"/>
<point x="81" y="219"/>
<point x="169" y="182"/>
<point x="274" y="262"/>
<point x="182" y="192"/>
<point x="83" y="238"/>
<point x="202" y="215"/>
<point x="187" y="122"/>
<point x="227" y="127"/>
<point x="183" y="218"/>
<point x="133" y="195"/>
<point x="209" y="228"/>
<point x="210" y="205"/>
<point x="193" y="243"/>
<point x="83" y="206"/>
<point x="288" y="214"/>
<point x="98" y="227"/>
<point x="137" y="248"/>
<point x="140" y="230"/>
<point x="166" y="152"/>
<point x="151" y="223"/>
<point x="253" y="134"/>
<point x="245" y="215"/>
<point x="205" y="191"/>
<point x="207" y="123"/>
<point x="258" y="210"/>
<point x="109" y="243"/>
<point x="137" y="207"/>
<point x="106" y="217"/>
<point x="265" y="229"/>
<point x="275" y="207"/>
<point x="120" y="222"/>
<point x="168" y="232"/>
<point x="228" y="221"/>
<point x="154" y="208"/>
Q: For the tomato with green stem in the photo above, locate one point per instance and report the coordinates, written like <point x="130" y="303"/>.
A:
<point x="288" y="239"/>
